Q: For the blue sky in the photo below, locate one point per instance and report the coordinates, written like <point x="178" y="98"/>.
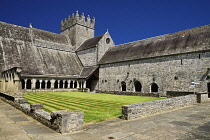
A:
<point x="127" y="20"/>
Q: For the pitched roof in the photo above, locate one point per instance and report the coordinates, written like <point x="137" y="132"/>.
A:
<point x="90" y="43"/>
<point x="87" y="71"/>
<point x="192" y="40"/>
<point x="17" y="50"/>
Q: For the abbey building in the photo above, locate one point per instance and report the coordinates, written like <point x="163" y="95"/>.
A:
<point x="33" y="60"/>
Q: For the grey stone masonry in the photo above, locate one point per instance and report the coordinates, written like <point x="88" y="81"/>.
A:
<point x="137" y="110"/>
<point x="61" y="121"/>
<point x="67" y="121"/>
<point x="202" y="97"/>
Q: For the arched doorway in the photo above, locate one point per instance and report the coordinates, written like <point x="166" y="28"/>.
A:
<point x="71" y="84"/>
<point x="66" y="84"/>
<point x="37" y="84"/>
<point x="208" y="86"/>
<point x="138" y="86"/>
<point x="123" y="84"/>
<point x="28" y="84"/>
<point x="61" y="84"/>
<point x="43" y="84"/>
<point x="23" y="83"/>
<point x="56" y="84"/>
<point x="48" y="84"/>
<point x="154" y="87"/>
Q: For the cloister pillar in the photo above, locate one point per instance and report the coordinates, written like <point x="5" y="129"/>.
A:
<point x="52" y="83"/>
<point x="59" y="83"/>
<point x="77" y="84"/>
<point x="33" y="82"/>
<point x="40" y="84"/>
<point x="25" y="83"/>
<point x="84" y="84"/>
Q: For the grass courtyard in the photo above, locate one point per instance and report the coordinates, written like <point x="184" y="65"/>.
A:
<point x="97" y="107"/>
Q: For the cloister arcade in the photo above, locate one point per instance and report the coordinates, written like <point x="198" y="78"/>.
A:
<point x="53" y="84"/>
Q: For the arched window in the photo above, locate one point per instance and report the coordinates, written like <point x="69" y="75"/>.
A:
<point x="138" y="86"/>
<point x="66" y="84"/>
<point x="43" y="84"/>
<point x="61" y="84"/>
<point x="28" y="84"/>
<point x="23" y="83"/>
<point x="48" y="84"/>
<point x="123" y="84"/>
<point x="37" y="84"/>
<point x="56" y="84"/>
<point x="154" y="87"/>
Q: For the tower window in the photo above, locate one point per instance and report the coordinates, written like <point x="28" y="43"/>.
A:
<point x="199" y="56"/>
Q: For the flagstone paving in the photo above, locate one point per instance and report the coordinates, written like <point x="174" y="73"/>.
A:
<point x="189" y="123"/>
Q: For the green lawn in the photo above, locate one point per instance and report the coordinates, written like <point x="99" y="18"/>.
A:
<point x="97" y="107"/>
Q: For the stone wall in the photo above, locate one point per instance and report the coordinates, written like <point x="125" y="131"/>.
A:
<point x="170" y="73"/>
<point x="137" y="110"/>
<point x="61" y="121"/>
<point x="88" y="57"/>
<point x="129" y="93"/>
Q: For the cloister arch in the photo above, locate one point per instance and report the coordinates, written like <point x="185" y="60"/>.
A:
<point x="154" y="87"/>
<point x="37" y="84"/>
<point x="28" y="84"/>
<point x="138" y="86"/>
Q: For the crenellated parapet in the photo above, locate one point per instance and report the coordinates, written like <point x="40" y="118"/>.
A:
<point x="77" y="19"/>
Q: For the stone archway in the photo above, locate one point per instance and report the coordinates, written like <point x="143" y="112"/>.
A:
<point x="48" y="84"/>
<point x="43" y="84"/>
<point x="37" y="84"/>
<point x="56" y="84"/>
<point x="138" y="86"/>
<point x="28" y="84"/>
<point x="154" y="87"/>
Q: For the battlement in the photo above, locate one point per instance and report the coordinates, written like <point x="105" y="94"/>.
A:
<point x="77" y="19"/>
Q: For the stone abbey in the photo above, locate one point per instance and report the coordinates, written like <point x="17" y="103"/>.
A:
<point x="35" y="60"/>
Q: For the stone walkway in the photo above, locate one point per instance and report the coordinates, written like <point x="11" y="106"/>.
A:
<point x="189" y="123"/>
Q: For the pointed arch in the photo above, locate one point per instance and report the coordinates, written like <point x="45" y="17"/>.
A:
<point x="138" y="86"/>
<point x="37" y="84"/>
<point x="66" y="84"/>
<point x="123" y="84"/>
<point x="23" y="83"/>
<point x="28" y="84"/>
<point x="43" y="84"/>
<point x="48" y="84"/>
<point x="56" y="84"/>
<point x="154" y="87"/>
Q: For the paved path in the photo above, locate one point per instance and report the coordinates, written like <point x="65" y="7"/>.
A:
<point x="189" y="123"/>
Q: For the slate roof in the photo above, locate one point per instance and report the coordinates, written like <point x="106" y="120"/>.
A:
<point x="90" y="43"/>
<point x="87" y="71"/>
<point x="17" y="50"/>
<point x="192" y="40"/>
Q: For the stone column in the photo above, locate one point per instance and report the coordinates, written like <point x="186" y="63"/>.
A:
<point x="46" y="84"/>
<point x="33" y="82"/>
<point x="25" y="83"/>
<point x="84" y="84"/>
<point x="77" y="84"/>
<point x="40" y="82"/>
<point x="52" y="83"/>
<point x="73" y="83"/>
<point x="59" y="84"/>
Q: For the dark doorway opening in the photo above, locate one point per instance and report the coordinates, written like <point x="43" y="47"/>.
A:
<point x="208" y="85"/>
<point x="66" y="84"/>
<point x="138" y="86"/>
<point x="123" y="86"/>
<point x="71" y="84"/>
<point x="154" y="87"/>
<point x="37" y="84"/>
<point x="23" y="84"/>
<point x="92" y="80"/>
<point x="28" y="84"/>
<point x="43" y="85"/>
<point x="56" y="84"/>
<point x="61" y="84"/>
<point x="48" y="84"/>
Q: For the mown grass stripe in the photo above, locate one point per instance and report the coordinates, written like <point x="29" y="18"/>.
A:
<point x="97" y="107"/>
